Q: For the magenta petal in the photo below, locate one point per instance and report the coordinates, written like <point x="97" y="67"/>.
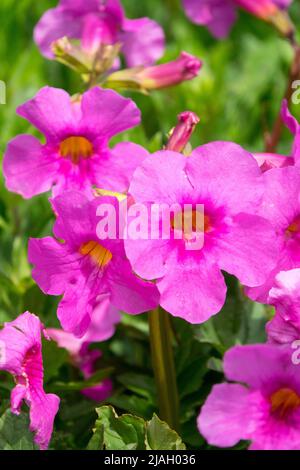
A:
<point x="116" y="170"/>
<point x="76" y="219"/>
<point x="260" y="366"/>
<point x="51" y="112"/>
<point x="226" y="171"/>
<point x="217" y="15"/>
<point x="131" y="294"/>
<point x="54" y="267"/>
<point x="99" y="392"/>
<point x="143" y="41"/>
<point x="27" y="169"/>
<point x="43" y="410"/>
<point x="160" y="178"/>
<point x="249" y="250"/>
<point x="55" y="24"/>
<point x="105" y="113"/>
<point x="194" y="291"/>
<point x="225" y="416"/>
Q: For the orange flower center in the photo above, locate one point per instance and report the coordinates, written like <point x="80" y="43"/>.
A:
<point x="76" y="148"/>
<point x="191" y="222"/>
<point x="99" y="255"/>
<point x="284" y="402"/>
<point x="293" y="228"/>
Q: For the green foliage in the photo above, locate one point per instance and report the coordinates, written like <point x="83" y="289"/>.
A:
<point x="128" y="432"/>
<point x="14" y="433"/>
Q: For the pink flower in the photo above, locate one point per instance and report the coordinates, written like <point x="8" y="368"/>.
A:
<point x="97" y="22"/>
<point x="284" y="328"/>
<point x="82" y="268"/>
<point x="281" y="205"/>
<point x="102" y="327"/>
<point x="226" y="180"/>
<point x="265" y="411"/>
<point x="219" y="15"/>
<point x="75" y="154"/>
<point x="21" y="356"/>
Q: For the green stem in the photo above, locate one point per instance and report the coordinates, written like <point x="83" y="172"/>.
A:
<point x="164" y="367"/>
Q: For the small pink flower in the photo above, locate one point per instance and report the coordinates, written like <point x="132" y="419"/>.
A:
<point x="284" y="328"/>
<point x="265" y="410"/>
<point x="22" y="357"/>
<point x="75" y="154"/>
<point x="226" y="180"/>
<point x="82" y="268"/>
<point x="102" y="327"/>
<point x="219" y="15"/>
<point x="97" y="22"/>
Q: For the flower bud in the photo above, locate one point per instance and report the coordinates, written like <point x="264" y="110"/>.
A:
<point x="182" y="133"/>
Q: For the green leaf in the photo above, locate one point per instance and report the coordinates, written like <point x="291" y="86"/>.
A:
<point x="120" y="433"/>
<point x="14" y="432"/>
<point x="161" y="437"/>
<point x="128" y="432"/>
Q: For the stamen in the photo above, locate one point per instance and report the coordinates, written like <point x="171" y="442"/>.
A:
<point x="100" y="255"/>
<point x="284" y="402"/>
<point x="75" y="148"/>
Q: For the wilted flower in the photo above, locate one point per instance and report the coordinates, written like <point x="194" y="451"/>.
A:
<point x="22" y="357"/>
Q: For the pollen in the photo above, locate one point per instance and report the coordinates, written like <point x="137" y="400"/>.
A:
<point x="284" y="402"/>
<point x="76" y="148"/>
<point x="191" y="222"/>
<point x="99" y="255"/>
<point x="293" y="228"/>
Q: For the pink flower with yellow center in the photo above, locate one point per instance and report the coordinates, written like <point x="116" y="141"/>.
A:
<point x="21" y="356"/>
<point x="221" y="185"/>
<point x="75" y="154"/>
<point x="264" y="410"/>
<point x="82" y="267"/>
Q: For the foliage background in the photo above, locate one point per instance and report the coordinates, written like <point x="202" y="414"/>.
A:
<point x="237" y="97"/>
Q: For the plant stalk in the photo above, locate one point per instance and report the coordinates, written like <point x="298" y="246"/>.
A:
<point x="164" y="367"/>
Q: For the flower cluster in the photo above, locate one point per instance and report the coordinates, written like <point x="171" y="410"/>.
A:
<point x="218" y="209"/>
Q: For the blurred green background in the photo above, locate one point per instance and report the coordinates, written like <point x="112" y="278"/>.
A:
<point x="237" y="96"/>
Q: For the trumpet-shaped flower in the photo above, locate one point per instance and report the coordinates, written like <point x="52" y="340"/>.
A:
<point x="82" y="268"/>
<point x="265" y="411"/>
<point x="97" y="22"/>
<point x="75" y="154"/>
<point x="219" y="15"/>
<point x="284" y="328"/>
<point x="224" y="180"/>
<point x="21" y="356"/>
<point x="281" y="205"/>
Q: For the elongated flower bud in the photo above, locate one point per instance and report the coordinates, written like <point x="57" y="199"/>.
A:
<point x="182" y="133"/>
<point x="185" y="67"/>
